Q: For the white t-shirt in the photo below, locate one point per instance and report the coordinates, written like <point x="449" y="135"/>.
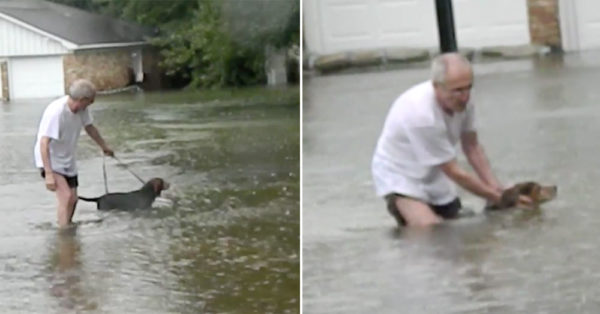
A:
<point x="63" y="127"/>
<point x="417" y="137"/>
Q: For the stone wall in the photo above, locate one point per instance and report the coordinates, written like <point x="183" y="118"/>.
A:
<point x="107" y="69"/>
<point x="544" y="25"/>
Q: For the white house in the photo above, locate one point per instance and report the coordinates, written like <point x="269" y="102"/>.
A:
<point x="332" y="26"/>
<point x="44" y="46"/>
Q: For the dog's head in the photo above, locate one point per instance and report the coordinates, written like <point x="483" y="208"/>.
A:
<point x="537" y="193"/>
<point x="158" y="185"/>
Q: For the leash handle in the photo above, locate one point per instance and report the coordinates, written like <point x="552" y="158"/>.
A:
<point x="125" y="166"/>
<point x="104" y="173"/>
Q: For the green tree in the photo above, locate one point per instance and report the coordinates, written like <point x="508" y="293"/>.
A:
<point x="87" y="5"/>
<point x="210" y="43"/>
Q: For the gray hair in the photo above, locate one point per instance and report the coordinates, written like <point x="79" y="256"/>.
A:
<point x="82" y="88"/>
<point x="439" y="65"/>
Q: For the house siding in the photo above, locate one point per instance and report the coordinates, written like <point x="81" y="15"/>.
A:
<point x="16" y="40"/>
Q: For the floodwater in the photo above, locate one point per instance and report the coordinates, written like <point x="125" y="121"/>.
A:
<point x="539" y="119"/>
<point x="223" y="239"/>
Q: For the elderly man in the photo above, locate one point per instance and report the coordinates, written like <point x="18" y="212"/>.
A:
<point x="414" y="162"/>
<point x="57" y="137"/>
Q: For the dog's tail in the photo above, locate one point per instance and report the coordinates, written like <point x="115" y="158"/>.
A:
<point x="89" y="199"/>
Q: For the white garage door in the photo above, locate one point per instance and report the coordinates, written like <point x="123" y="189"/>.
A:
<point x="339" y="25"/>
<point x="36" y="77"/>
<point x="580" y="24"/>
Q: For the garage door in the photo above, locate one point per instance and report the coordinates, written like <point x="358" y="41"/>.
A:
<point x="36" y="77"/>
<point x="580" y="24"/>
<point x="338" y="25"/>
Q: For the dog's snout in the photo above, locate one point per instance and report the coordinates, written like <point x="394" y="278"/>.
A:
<point x="166" y="185"/>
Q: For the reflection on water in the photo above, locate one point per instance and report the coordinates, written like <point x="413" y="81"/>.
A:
<point x="537" y="120"/>
<point x="223" y="239"/>
<point x="66" y="284"/>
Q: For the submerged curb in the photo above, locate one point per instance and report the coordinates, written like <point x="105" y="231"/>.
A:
<point x="398" y="55"/>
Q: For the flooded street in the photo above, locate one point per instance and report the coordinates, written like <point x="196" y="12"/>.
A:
<point x="223" y="239"/>
<point x="538" y="120"/>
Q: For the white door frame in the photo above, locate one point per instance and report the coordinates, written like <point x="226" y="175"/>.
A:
<point x="137" y="65"/>
<point x="569" y="27"/>
<point x="2" y="96"/>
<point x="312" y="26"/>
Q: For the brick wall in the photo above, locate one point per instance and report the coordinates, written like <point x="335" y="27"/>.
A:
<point x="4" y="80"/>
<point x="107" y="69"/>
<point x="544" y="26"/>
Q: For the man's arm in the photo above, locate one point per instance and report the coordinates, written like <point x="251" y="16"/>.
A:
<point x="91" y="130"/>
<point x="478" y="160"/>
<point x="476" y="156"/>
<point x="45" y="152"/>
<point x="469" y="182"/>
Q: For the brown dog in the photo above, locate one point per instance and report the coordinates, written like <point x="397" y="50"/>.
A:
<point x="537" y="193"/>
<point x="138" y="199"/>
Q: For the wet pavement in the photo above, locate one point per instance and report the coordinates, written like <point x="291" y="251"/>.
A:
<point x="223" y="239"/>
<point x="538" y="120"/>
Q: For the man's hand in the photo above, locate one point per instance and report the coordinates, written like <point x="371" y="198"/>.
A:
<point x="497" y="197"/>
<point x="50" y="183"/>
<point x="470" y="182"/>
<point x="95" y="135"/>
<point x="108" y="152"/>
<point x="499" y="188"/>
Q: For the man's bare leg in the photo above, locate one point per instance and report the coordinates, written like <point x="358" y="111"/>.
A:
<point x="64" y="196"/>
<point x="72" y="204"/>
<point x="416" y="213"/>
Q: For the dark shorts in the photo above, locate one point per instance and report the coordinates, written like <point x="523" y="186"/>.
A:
<point x="446" y="211"/>
<point x="71" y="181"/>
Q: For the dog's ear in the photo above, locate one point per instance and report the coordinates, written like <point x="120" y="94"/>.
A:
<point x="532" y="190"/>
<point x="159" y="185"/>
<point x="525" y="187"/>
<point x="156" y="185"/>
<point x="535" y="194"/>
<point x="510" y="197"/>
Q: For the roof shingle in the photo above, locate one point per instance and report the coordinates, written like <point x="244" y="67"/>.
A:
<point x="77" y="26"/>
